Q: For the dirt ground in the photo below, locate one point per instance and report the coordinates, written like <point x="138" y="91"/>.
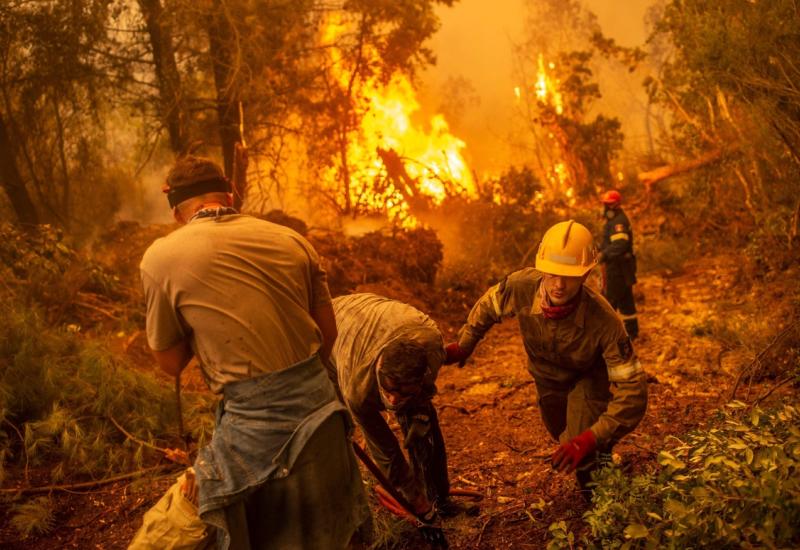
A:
<point x="491" y="424"/>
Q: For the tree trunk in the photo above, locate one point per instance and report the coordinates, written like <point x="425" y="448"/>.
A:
<point x="239" y="177"/>
<point x="222" y="44"/>
<point x="11" y="180"/>
<point x="346" y="180"/>
<point x="64" y="205"/>
<point x="169" y="80"/>
<point x="663" y="172"/>
<point x="403" y="182"/>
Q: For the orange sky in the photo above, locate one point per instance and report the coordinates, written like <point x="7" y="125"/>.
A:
<point x="475" y="43"/>
<point x="622" y="20"/>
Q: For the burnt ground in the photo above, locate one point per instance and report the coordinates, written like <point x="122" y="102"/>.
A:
<point x="491" y="424"/>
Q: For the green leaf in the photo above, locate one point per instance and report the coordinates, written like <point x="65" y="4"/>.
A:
<point x="538" y="505"/>
<point x="731" y="464"/>
<point x="716" y="459"/>
<point x="737" y="444"/>
<point x="675" y="507"/>
<point x="636" y="531"/>
<point x="666" y="459"/>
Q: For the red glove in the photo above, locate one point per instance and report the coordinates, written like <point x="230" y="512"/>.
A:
<point x="454" y="354"/>
<point x="570" y="454"/>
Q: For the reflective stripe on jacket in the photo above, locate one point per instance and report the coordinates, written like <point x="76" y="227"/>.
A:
<point x="561" y="352"/>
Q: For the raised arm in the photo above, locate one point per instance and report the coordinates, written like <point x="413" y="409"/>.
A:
<point x="495" y="305"/>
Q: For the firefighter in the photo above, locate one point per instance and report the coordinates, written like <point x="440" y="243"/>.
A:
<point x="591" y="387"/>
<point x="249" y="299"/>
<point x="387" y="356"/>
<point x="618" y="261"/>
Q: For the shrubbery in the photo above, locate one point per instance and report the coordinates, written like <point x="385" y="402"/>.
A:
<point x="410" y="257"/>
<point x="61" y="390"/>
<point x="733" y="485"/>
<point x="37" y="266"/>
<point x="774" y="245"/>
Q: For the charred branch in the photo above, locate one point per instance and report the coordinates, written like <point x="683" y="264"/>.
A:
<point x="402" y="181"/>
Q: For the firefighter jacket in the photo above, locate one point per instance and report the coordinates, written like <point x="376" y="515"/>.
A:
<point x="617" y="249"/>
<point x="591" y="342"/>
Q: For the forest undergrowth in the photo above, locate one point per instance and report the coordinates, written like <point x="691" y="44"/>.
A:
<point x="80" y="403"/>
<point x="730" y="485"/>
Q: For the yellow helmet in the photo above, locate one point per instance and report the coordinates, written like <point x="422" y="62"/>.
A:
<point x="566" y="249"/>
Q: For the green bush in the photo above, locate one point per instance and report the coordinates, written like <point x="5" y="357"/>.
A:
<point x="58" y="391"/>
<point x="39" y="267"/>
<point x="734" y="485"/>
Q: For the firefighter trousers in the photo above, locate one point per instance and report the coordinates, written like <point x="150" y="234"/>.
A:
<point x="569" y="411"/>
<point x="620" y="296"/>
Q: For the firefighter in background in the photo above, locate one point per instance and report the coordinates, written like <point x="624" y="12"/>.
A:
<point x="591" y="389"/>
<point x="618" y="261"/>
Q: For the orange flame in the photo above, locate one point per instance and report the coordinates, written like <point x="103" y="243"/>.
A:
<point x="433" y="155"/>
<point x="548" y="94"/>
<point x="547" y="88"/>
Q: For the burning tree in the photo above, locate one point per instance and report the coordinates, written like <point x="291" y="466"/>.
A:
<point x="573" y="153"/>
<point x="375" y="157"/>
<point x="573" y="147"/>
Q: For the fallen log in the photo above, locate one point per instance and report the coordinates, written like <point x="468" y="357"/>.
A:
<point x="663" y="172"/>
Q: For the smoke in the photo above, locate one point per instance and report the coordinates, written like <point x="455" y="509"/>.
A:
<point x="626" y="26"/>
<point x="471" y="84"/>
<point x="478" y="68"/>
<point x="143" y="201"/>
<point x="361" y="226"/>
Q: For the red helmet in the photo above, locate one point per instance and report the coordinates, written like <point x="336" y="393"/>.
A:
<point x="611" y="197"/>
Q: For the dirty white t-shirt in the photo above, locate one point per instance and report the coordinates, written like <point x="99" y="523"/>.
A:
<point x="366" y="324"/>
<point x="240" y="289"/>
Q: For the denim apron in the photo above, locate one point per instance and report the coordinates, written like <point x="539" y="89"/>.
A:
<point x="262" y="425"/>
